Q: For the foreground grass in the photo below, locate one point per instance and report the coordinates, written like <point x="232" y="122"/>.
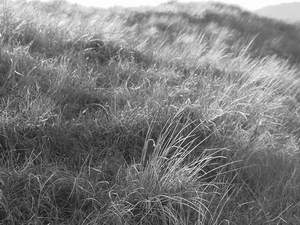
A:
<point x="105" y="122"/>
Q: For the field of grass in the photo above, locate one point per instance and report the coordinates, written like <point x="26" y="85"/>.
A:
<point x="180" y="114"/>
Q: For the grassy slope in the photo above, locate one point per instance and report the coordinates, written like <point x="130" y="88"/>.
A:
<point x="180" y="114"/>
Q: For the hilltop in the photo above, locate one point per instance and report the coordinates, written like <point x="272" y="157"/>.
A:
<point x="229" y="24"/>
<point x="176" y="114"/>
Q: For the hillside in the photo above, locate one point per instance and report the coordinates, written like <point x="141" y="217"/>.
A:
<point x="287" y="12"/>
<point x="176" y="114"/>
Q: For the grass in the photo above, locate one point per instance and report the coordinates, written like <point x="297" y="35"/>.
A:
<point x="177" y="114"/>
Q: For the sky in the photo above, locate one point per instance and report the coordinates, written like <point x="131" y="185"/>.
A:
<point x="247" y="4"/>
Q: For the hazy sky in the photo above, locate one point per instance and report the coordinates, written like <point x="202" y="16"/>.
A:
<point x="248" y="4"/>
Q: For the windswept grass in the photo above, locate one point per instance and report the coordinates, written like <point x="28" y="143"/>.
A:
<point x="178" y="114"/>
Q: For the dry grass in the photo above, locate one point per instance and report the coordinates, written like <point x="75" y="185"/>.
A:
<point x="167" y="115"/>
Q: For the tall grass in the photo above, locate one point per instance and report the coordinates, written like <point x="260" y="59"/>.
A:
<point x="172" y="186"/>
<point x="165" y="115"/>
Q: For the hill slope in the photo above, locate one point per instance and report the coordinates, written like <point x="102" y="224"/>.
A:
<point x="287" y="12"/>
<point x="177" y="114"/>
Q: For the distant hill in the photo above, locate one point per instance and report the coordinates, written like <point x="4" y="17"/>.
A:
<point x="286" y="11"/>
<point x="271" y="37"/>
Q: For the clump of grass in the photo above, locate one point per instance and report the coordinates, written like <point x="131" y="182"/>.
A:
<point x="175" y="185"/>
